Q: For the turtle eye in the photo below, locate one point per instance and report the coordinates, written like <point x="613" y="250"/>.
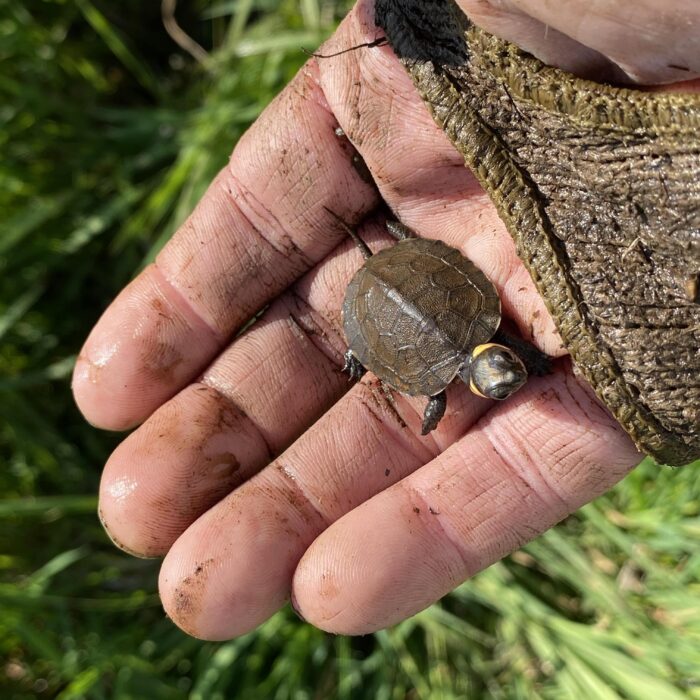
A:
<point x="500" y="361"/>
<point x="496" y="372"/>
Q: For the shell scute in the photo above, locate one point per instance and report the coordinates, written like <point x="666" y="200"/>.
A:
<point x="425" y="264"/>
<point x="449" y="279"/>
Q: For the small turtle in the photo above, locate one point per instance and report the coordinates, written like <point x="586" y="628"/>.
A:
<point x="419" y="313"/>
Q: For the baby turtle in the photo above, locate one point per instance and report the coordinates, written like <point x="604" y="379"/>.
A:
<point x="419" y="314"/>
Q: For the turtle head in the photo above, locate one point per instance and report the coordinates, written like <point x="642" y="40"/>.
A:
<point x="493" y="371"/>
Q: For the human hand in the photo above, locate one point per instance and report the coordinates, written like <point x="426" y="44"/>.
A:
<point x="256" y="470"/>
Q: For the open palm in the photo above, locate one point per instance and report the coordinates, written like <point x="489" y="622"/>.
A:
<point x="259" y="470"/>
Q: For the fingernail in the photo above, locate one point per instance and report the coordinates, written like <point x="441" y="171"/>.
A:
<point x="121" y="545"/>
<point x="295" y="607"/>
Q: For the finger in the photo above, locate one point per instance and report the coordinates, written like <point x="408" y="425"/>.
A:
<point x="521" y="469"/>
<point x="420" y="174"/>
<point x="641" y="42"/>
<point x="232" y="568"/>
<point x="258" y="228"/>
<point x="188" y="455"/>
<point x="215" y="434"/>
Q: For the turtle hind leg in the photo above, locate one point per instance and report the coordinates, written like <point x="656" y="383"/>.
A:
<point x="434" y="411"/>
<point x="353" y="366"/>
<point x="536" y="362"/>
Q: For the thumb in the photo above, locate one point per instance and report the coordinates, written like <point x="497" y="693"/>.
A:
<point x="642" y="42"/>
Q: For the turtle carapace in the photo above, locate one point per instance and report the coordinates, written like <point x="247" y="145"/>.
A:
<point x="419" y="314"/>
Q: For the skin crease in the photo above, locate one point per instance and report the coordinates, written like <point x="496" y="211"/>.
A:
<point x="259" y="471"/>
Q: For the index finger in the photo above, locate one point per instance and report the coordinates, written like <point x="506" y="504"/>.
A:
<point x="261" y="224"/>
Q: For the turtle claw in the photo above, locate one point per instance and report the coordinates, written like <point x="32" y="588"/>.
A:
<point x="353" y="366"/>
<point x="434" y="411"/>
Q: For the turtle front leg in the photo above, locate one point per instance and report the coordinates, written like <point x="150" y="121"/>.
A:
<point x="353" y="366"/>
<point x="399" y="231"/>
<point x="434" y="411"/>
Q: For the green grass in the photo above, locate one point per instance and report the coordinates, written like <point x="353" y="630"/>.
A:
<point x="109" y="134"/>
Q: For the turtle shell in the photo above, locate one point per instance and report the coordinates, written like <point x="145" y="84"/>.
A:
<point x="414" y="312"/>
